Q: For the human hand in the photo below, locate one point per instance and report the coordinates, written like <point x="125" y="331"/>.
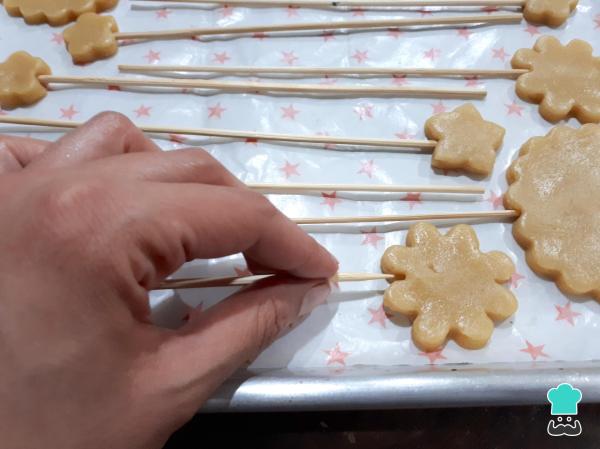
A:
<point x="88" y="225"/>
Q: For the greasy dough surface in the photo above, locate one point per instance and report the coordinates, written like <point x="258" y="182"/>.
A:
<point x="19" y="84"/>
<point x="548" y="12"/>
<point x="54" y="12"/>
<point x="91" y="38"/>
<point x="564" y="80"/>
<point x="465" y="141"/>
<point x="555" y="184"/>
<point x="448" y="287"/>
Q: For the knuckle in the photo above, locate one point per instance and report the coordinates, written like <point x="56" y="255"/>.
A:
<point x="114" y="121"/>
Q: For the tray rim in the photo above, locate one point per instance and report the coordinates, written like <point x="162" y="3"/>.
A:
<point x="394" y="387"/>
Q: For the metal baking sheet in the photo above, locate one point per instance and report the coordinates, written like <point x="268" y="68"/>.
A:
<point x="347" y="354"/>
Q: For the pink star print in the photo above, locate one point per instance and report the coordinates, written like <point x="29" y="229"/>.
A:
<point x="336" y="355"/>
<point x="500" y="53"/>
<point x="358" y="12"/>
<point x="565" y="313"/>
<point x="57" y="38"/>
<point x="472" y="81"/>
<point x="367" y="168"/>
<point x="516" y="279"/>
<point x="260" y="35"/>
<point x="464" y="32"/>
<point x="394" y="32"/>
<point x="292" y="11"/>
<point x="371" y="238"/>
<point x="221" y="58"/>
<point x="330" y="199"/>
<point x="597" y="20"/>
<point x="432" y="53"/>
<point x="226" y="11"/>
<point x="532" y="30"/>
<point x="514" y="108"/>
<point x="399" y="80"/>
<point x="216" y="111"/>
<point x="289" y="112"/>
<point x="163" y="14"/>
<point x="489" y="9"/>
<point x="438" y="107"/>
<point x="433" y="356"/>
<point x="360" y="56"/>
<point x="152" y="56"/>
<point x="328" y="36"/>
<point x="534" y="351"/>
<point x="176" y="138"/>
<point x="142" y="111"/>
<point x="328" y="80"/>
<point x="364" y="111"/>
<point x="495" y="200"/>
<point x="378" y="316"/>
<point x="242" y="271"/>
<point x="289" y="170"/>
<point x="327" y="146"/>
<point x="114" y="88"/>
<point x="413" y="199"/>
<point x="425" y="12"/>
<point x="289" y="57"/>
<point x="405" y="135"/>
<point x="68" y="113"/>
<point x="251" y="141"/>
<point x="3" y="112"/>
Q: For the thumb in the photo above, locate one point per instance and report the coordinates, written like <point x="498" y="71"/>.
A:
<point x="218" y="341"/>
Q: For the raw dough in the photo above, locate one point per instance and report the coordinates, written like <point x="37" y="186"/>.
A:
<point x="465" y="140"/>
<point x="564" y="80"/>
<point x="449" y="287"/>
<point x="19" y="84"/>
<point x="55" y="12"/>
<point x="548" y="12"/>
<point x="91" y="38"/>
<point x="555" y="184"/>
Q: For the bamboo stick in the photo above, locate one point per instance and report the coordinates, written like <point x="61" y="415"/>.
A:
<point x="323" y="71"/>
<point x="347" y="25"/>
<point x="295" y="188"/>
<point x="235" y="281"/>
<point x="252" y="87"/>
<point x="381" y="144"/>
<point x="414" y="217"/>
<point x="351" y="3"/>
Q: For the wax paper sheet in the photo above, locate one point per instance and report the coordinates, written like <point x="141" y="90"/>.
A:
<point x="351" y="328"/>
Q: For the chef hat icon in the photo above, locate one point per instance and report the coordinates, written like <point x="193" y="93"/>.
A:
<point x="564" y="399"/>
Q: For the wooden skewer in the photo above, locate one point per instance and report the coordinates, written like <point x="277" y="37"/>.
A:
<point x="415" y="217"/>
<point x="338" y="3"/>
<point x="359" y="24"/>
<point x="405" y="91"/>
<point x="323" y="71"/>
<point x="295" y="188"/>
<point x="378" y="144"/>
<point x="235" y="281"/>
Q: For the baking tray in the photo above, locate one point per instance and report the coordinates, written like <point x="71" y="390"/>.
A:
<point x="385" y="370"/>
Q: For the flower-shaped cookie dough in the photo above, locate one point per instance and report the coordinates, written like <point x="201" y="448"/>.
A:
<point x="91" y="38"/>
<point x="19" y="83"/>
<point x="54" y="12"/>
<point x="564" y="80"/>
<point x="465" y="140"/>
<point x="555" y="184"/>
<point x="548" y="12"/>
<point x="449" y="287"/>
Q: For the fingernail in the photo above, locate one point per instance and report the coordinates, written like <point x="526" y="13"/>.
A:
<point x="315" y="297"/>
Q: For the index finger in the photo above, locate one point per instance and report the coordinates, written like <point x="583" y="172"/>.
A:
<point x="208" y="221"/>
<point x="17" y="152"/>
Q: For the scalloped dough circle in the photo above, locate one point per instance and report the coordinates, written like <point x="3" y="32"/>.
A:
<point x="563" y="80"/>
<point x="91" y="38"/>
<point x="448" y="287"/>
<point x="548" y="12"/>
<point x="55" y="12"/>
<point x="555" y="185"/>
<point x="19" y="83"/>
